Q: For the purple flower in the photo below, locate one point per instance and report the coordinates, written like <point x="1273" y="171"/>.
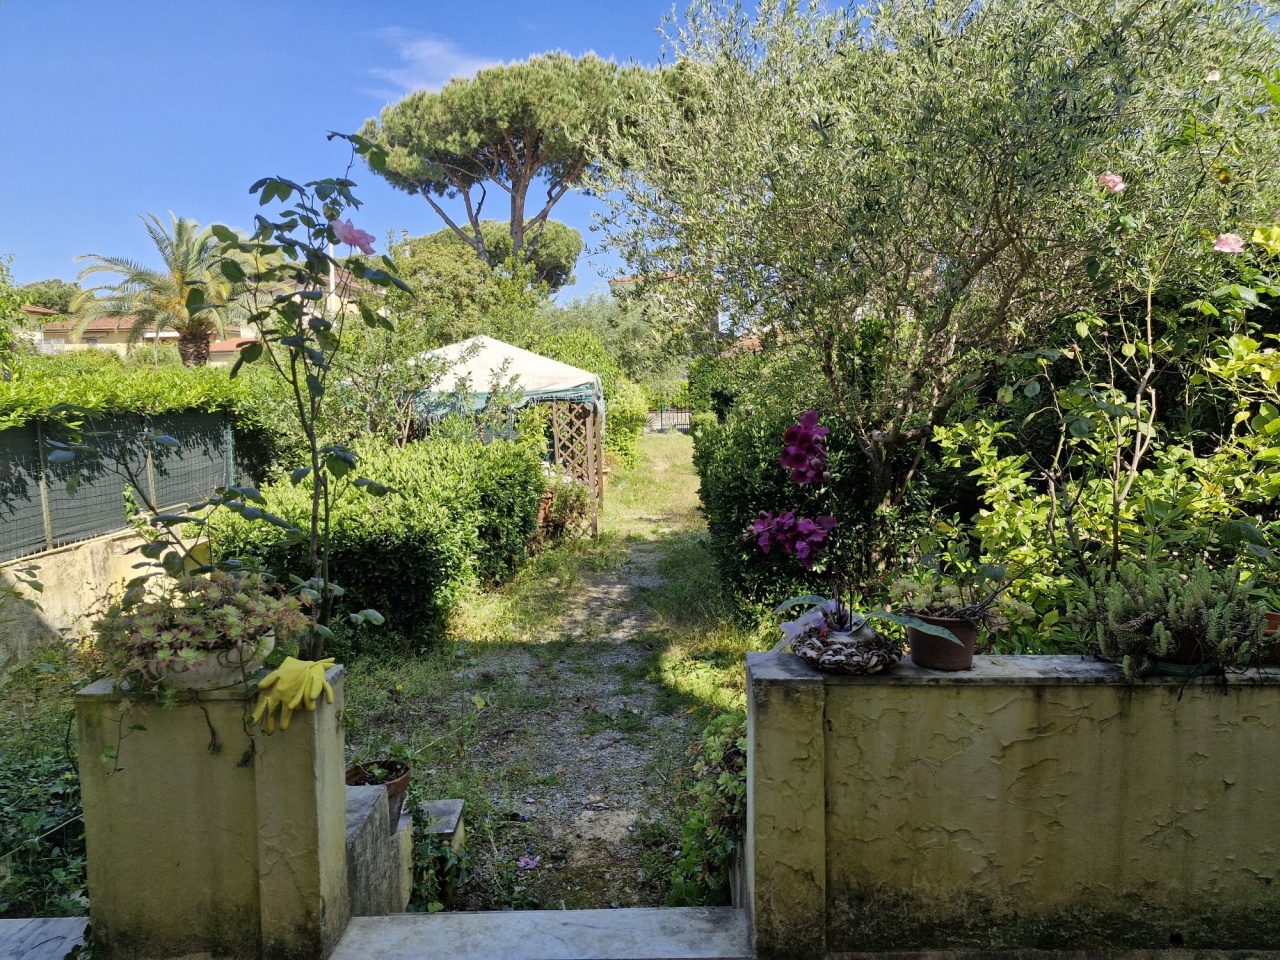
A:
<point x="528" y="863"/>
<point x="802" y="539"/>
<point x="803" y="452"/>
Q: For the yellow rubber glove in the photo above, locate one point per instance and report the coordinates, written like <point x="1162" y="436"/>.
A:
<point x="294" y="684"/>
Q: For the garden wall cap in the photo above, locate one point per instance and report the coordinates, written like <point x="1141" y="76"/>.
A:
<point x="105" y="688"/>
<point x="1008" y="670"/>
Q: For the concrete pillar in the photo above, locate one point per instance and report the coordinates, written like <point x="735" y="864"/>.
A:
<point x="302" y="833"/>
<point x="786" y="837"/>
<point x="204" y="835"/>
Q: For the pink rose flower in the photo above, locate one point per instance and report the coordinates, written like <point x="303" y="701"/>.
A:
<point x="1112" y="182"/>
<point x="1229" y="243"/>
<point x="346" y="233"/>
<point x="1213" y="76"/>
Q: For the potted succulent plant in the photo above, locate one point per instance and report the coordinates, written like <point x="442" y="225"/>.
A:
<point x="196" y="632"/>
<point x="1174" y="619"/>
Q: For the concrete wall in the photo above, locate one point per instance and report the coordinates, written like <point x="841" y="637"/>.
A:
<point x="201" y="837"/>
<point x="75" y="578"/>
<point x="1034" y="802"/>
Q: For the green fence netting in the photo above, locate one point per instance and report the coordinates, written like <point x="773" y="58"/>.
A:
<point x="45" y="505"/>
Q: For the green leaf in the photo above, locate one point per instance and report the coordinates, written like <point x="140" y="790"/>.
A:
<point x="232" y="271"/>
<point x="337" y="466"/>
<point x="314" y="386"/>
<point x="251" y="351"/>
<point x="808" y="600"/>
<point x="298" y="475"/>
<point x="61" y="456"/>
<point x="1032" y="388"/>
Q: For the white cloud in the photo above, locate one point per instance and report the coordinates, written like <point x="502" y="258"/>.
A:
<point x="425" y="61"/>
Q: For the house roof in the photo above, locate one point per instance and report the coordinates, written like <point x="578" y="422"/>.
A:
<point x="101" y="325"/>
<point x="231" y="345"/>
<point x="36" y="311"/>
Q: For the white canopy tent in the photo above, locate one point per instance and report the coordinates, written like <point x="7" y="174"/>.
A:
<point x="474" y="368"/>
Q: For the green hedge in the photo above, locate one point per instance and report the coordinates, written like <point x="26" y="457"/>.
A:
<point x="101" y="383"/>
<point x="716" y="383"/>
<point x="461" y="514"/>
<point x="737" y="461"/>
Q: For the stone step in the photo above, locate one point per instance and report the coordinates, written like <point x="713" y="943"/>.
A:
<point x="40" y="939"/>
<point x="676" y="933"/>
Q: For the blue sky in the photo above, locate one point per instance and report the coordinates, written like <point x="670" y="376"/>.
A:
<point x="113" y="109"/>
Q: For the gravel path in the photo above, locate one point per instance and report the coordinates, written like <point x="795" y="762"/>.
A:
<point x="604" y="755"/>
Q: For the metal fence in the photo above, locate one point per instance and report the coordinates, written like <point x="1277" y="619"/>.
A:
<point x="668" y="418"/>
<point x="44" y="505"/>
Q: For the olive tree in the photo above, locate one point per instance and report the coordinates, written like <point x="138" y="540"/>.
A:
<point x="910" y="190"/>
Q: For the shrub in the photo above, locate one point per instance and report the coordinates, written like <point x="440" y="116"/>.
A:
<point x="717" y="799"/>
<point x="569" y="508"/>
<point x="460" y="513"/>
<point x="700" y="421"/>
<point x="626" y="413"/>
<point x="716" y="383"/>
<point x="41" y="837"/>
<point x="738" y="463"/>
<point x="100" y="383"/>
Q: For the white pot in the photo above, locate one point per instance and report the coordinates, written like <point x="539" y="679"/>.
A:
<point x="220" y="668"/>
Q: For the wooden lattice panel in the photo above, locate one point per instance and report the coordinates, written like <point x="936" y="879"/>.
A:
<point x="577" y="448"/>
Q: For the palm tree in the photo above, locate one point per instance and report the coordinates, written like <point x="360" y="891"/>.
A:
<point x="189" y="295"/>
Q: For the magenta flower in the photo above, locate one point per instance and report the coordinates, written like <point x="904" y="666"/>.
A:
<point x="346" y="233"/>
<point x="1111" y="182"/>
<point x="528" y="863"/>
<point x="803" y="452"/>
<point x="802" y="539"/>
<point x="1229" y="243"/>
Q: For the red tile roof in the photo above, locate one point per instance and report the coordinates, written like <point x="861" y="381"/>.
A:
<point x="101" y="325"/>
<point x="228" y="346"/>
<point x="36" y="311"/>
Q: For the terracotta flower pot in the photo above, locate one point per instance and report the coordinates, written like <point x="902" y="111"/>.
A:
<point x="394" y="774"/>
<point x="939" y="653"/>
<point x="544" y="506"/>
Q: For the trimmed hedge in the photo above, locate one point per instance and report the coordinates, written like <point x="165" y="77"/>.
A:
<point x="737" y="462"/>
<point x="101" y="383"/>
<point x="463" y="513"/>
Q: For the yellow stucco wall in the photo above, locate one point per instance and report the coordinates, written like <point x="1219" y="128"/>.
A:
<point x="1042" y="802"/>
<point x="199" y="839"/>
